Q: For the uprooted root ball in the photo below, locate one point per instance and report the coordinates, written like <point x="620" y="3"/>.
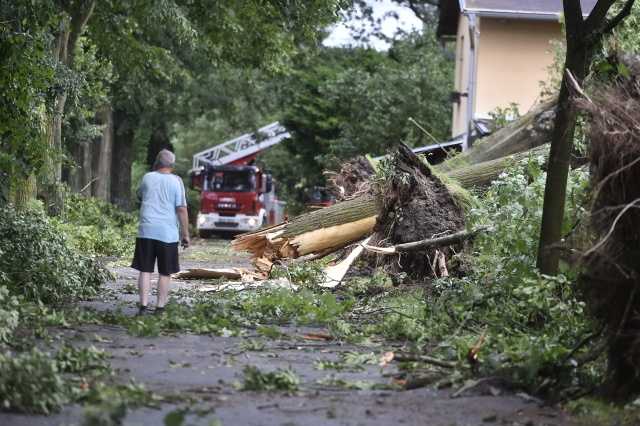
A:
<point x="416" y="205"/>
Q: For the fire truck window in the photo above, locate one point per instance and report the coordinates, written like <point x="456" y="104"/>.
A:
<point x="234" y="182"/>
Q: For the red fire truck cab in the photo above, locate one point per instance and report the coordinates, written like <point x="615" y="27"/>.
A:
<point x="237" y="196"/>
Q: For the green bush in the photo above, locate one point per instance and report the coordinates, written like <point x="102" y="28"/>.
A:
<point x="512" y="206"/>
<point x="9" y="314"/>
<point x="96" y="227"/>
<point x="38" y="263"/>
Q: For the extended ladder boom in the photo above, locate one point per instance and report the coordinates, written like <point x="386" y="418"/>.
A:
<point x="242" y="146"/>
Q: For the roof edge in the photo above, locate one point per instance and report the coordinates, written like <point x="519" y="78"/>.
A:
<point x="508" y="14"/>
<point x="511" y="13"/>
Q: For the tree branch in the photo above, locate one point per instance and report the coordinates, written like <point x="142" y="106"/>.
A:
<point x="447" y="240"/>
<point x="598" y="14"/>
<point x="615" y="21"/>
<point x="79" y="19"/>
<point x="419" y="13"/>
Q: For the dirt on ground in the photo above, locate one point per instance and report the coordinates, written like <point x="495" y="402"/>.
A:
<point x="207" y="368"/>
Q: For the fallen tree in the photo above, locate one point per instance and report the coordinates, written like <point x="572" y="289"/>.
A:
<point x="371" y="209"/>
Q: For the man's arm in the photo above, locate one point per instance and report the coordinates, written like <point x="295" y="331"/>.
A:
<point x="183" y="217"/>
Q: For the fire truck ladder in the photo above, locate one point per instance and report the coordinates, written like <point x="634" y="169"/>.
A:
<point x="242" y="146"/>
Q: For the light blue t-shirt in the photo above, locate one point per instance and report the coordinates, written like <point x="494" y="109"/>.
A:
<point x="160" y="194"/>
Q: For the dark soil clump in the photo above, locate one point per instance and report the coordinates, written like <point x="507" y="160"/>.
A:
<point x="416" y="205"/>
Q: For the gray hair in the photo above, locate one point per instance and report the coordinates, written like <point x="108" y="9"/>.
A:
<point x="164" y="159"/>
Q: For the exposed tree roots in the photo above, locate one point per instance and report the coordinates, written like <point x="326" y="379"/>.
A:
<point x="611" y="277"/>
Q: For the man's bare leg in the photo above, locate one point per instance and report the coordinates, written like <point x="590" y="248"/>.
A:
<point x="144" y="285"/>
<point x="163" y="290"/>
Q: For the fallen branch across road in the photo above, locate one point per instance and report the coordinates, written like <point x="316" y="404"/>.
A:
<point x="448" y="240"/>
<point x="400" y="357"/>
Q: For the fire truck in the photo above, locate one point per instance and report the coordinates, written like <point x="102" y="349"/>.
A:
<point x="237" y="195"/>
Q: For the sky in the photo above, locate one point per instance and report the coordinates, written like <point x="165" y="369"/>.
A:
<point x="407" y="21"/>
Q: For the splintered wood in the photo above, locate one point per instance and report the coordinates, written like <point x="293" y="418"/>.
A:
<point x="318" y="233"/>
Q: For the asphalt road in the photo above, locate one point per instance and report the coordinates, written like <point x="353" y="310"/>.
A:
<point x="207" y="369"/>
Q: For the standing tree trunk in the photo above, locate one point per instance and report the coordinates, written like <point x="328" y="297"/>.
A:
<point x="102" y="155"/>
<point x="86" y="172"/>
<point x="582" y="38"/>
<point x="53" y="194"/>
<point x="122" y="159"/>
<point x="159" y="140"/>
<point x="64" y="52"/>
<point x="23" y="191"/>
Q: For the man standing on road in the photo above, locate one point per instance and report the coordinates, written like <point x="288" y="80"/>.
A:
<point x="163" y="205"/>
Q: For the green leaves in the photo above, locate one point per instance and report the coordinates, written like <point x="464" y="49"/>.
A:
<point x="340" y="103"/>
<point x="97" y="228"/>
<point x="175" y="418"/>
<point x="26" y="76"/>
<point x="279" y="380"/>
<point x="31" y="382"/>
<point x="9" y="314"/>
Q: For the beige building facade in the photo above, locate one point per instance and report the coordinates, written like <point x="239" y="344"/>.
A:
<point x="503" y="54"/>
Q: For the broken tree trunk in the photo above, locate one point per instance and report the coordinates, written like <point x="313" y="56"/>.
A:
<point x="529" y="131"/>
<point x="484" y="173"/>
<point x="327" y="230"/>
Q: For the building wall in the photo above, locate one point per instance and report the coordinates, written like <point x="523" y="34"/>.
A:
<point x="461" y="76"/>
<point x="513" y="58"/>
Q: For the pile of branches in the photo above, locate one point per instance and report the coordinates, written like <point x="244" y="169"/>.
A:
<point x="611" y="277"/>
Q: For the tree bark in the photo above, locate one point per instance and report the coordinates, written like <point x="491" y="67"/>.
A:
<point x="64" y="52"/>
<point x="23" y="191"/>
<point x="448" y="240"/>
<point x="53" y="196"/>
<point x="159" y="140"/>
<point x="477" y="175"/>
<point x="122" y="159"/>
<point x="102" y="157"/>
<point x="349" y="211"/>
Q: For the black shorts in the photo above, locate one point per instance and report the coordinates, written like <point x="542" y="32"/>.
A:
<point x="147" y="251"/>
